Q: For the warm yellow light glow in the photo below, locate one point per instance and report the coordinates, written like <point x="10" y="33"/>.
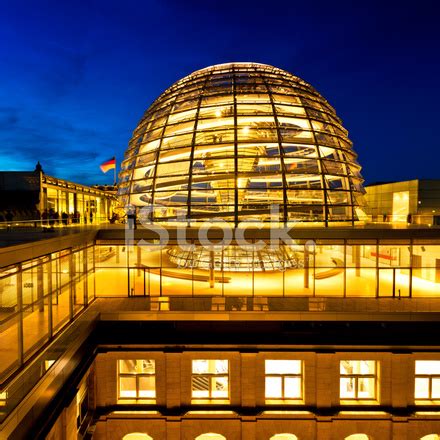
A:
<point x="48" y="364"/>
<point x="358" y="380"/>
<point x="3" y="398"/>
<point x="137" y="436"/>
<point x="427" y="380"/>
<point x="400" y="206"/>
<point x="210" y="436"/>
<point x="136" y="379"/>
<point x="284" y="437"/>
<point x="357" y="437"/>
<point x="228" y="151"/>
<point x="210" y="379"/>
<point x="283" y="379"/>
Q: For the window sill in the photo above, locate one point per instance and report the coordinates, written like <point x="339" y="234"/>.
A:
<point x="430" y="402"/>
<point x="359" y="402"/>
<point x="284" y="402"/>
<point x="136" y="401"/>
<point x="210" y="401"/>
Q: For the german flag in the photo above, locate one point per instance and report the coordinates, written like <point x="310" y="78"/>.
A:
<point x="108" y="165"/>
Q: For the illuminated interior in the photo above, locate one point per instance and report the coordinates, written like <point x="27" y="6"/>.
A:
<point x="283" y="380"/>
<point x="210" y="379"/>
<point x="427" y="380"/>
<point x="231" y="141"/>
<point x="136" y="379"/>
<point x="358" y="380"/>
<point x="400" y="206"/>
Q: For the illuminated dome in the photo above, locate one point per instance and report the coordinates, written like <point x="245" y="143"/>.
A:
<point x="234" y="140"/>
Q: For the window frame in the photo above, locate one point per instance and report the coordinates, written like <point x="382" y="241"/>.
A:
<point x="430" y="377"/>
<point x="137" y="377"/>
<point x="284" y="376"/>
<point x="211" y="378"/>
<point x="357" y="377"/>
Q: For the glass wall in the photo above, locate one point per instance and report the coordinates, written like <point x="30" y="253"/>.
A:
<point x="323" y="268"/>
<point x="37" y="298"/>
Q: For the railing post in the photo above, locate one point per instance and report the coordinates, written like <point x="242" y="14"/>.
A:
<point x="20" y="314"/>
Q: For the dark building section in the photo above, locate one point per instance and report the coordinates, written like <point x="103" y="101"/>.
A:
<point x="33" y="195"/>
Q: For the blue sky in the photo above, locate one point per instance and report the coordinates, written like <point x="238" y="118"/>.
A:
<point x="76" y="76"/>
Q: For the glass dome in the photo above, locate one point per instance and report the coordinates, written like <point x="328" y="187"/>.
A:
<point x="232" y="141"/>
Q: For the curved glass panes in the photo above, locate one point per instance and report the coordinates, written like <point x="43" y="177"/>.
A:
<point x="232" y="141"/>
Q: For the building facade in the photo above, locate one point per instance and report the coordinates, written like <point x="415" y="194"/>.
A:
<point x="253" y="300"/>
<point x="28" y="195"/>
<point x="413" y="201"/>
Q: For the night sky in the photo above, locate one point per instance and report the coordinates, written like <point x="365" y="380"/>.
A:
<point x="75" y="77"/>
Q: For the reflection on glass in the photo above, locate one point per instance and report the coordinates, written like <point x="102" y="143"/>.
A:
<point x="358" y="380"/>
<point x="210" y="379"/>
<point x="260" y="128"/>
<point x="136" y="378"/>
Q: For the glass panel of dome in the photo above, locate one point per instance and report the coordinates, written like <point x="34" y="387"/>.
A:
<point x="305" y="197"/>
<point x="173" y="168"/>
<point x="142" y="186"/>
<point x="289" y="110"/>
<point x="214" y="137"/>
<point x="257" y="134"/>
<point x="254" y="109"/>
<point x="217" y="100"/>
<point x="256" y="122"/>
<point x="146" y="159"/>
<point x="149" y="146"/>
<point x="156" y="123"/>
<point x="299" y="150"/>
<point x="219" y="111"/>
<point x="293" y="123"/>
<point x="179" y="128"/>
<point x="185" y="105"/>
<point x="176" y="141"/>
<point x="286" y="99"/>
<point x="215" y="151"/>
<point x="181" y="116"/>
<point x="215" y="123"/>
<point x="252" y="98"/>
<point x="153" y="135"/>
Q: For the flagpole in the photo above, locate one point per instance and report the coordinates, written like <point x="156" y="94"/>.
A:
<point x="114" y="184"/>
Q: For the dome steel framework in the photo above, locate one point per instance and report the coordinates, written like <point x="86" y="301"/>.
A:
<point x="232" y="140"/>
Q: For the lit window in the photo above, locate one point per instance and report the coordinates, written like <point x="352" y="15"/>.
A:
<point x="3" y="398"/>
<point x="210" y="379"/>
<point x="136" y="379"/>
<point x="358" y="380"/>
<point x="210" y="436"/>
<point x="284" y="437"/>
<point x="283" y="379"/>
<point x="137" y="436"/>
<point x="427" y="382"/>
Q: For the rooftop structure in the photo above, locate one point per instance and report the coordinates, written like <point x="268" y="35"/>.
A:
<point x="172" y="332"/>
<point x="232" y="140"/>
